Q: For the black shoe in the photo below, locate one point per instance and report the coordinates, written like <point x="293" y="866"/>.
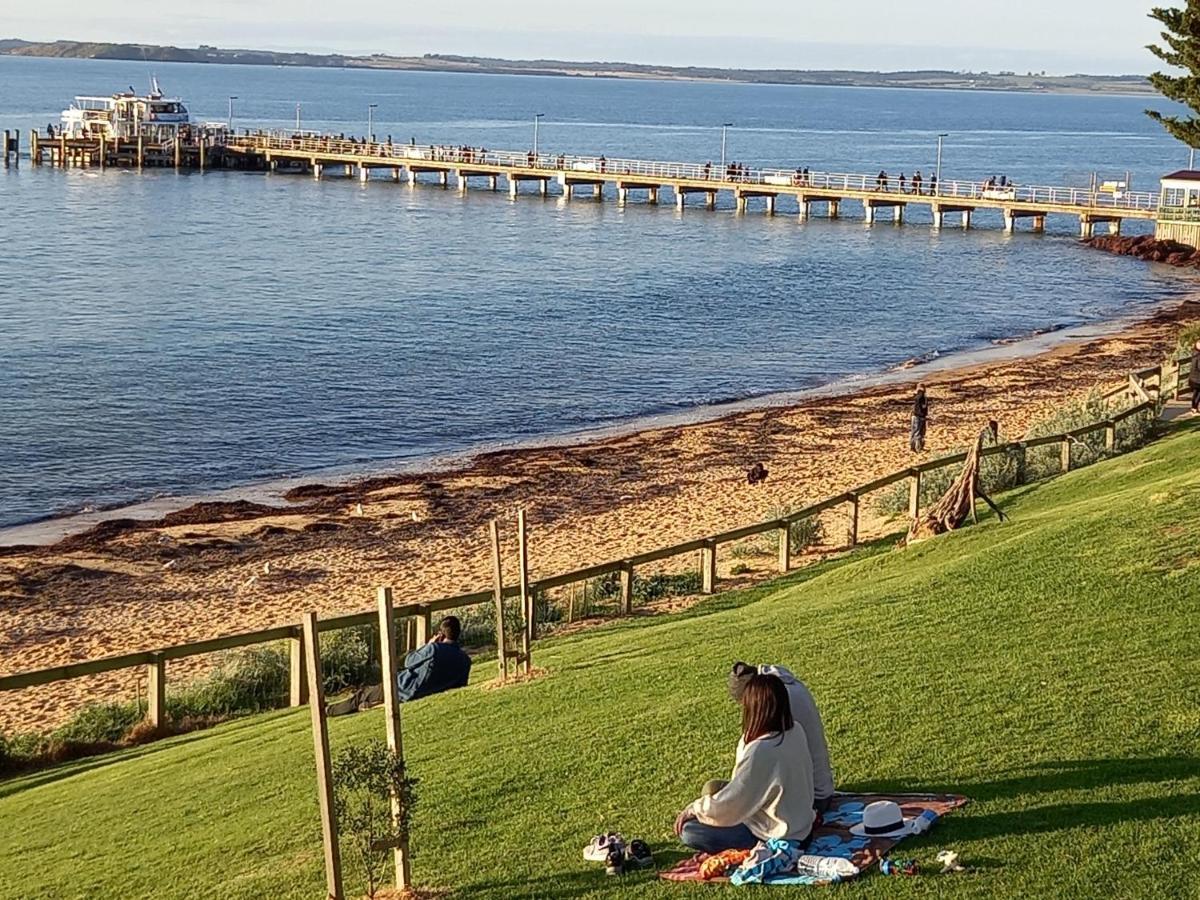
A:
<point x="639" y="856"/>
<point x="614" y="863"/>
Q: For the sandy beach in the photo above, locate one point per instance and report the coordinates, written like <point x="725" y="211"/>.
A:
<point x="213" y="569"/>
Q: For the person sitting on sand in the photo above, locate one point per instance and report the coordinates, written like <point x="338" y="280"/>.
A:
<point x="804" y="713"/>
<point x="441" y="665"/>
<point x="770" y="794"/>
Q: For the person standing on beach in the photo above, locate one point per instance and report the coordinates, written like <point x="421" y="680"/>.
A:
<point x="920" y="421"/>
<point x="1194" y="377"/>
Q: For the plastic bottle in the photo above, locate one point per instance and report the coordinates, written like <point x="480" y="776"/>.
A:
<point x="826" y="867"/>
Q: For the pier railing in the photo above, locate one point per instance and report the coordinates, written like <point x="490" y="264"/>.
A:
<point x="1145" y="388"/>
<point x="618" y="168"/>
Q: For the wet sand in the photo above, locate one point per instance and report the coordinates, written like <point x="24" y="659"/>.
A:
<point x="217" y="568"/>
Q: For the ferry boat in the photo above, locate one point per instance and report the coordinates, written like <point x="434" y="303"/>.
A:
<point x="127" y="115"/>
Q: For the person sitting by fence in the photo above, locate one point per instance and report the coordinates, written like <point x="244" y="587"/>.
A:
<point x="770" y="794"/>
<point x="804" y="713"/>
<point x="441" y="665"/>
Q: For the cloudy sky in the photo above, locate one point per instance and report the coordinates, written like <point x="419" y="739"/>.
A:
<point x="1059" y="36"/>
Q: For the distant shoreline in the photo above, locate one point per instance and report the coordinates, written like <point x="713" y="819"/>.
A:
<point x="932" y="79"/>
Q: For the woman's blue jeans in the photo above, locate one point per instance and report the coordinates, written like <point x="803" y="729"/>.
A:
<point x="712" y="839"/>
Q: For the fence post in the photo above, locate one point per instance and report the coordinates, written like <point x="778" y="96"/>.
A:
<point x="527" y="611"/>
<point x="156" y="692"/>
<point x="1066" y="454"/>
<point x="627" y="587"/>
<point x="708" y="568"/>
<point x="914" y="494"/>
<point x="498" y="588"/>
<point x="853" y="520"/>
<point x="297" y="686"/>
<point x="1110" y="435"/>
<point x="785" y="545"/>
<point x="320" y="731"/>
<point x="424" y="625"/>
<point x="389" y="666"/>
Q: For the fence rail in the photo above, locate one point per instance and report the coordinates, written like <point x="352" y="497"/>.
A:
<point x="1162" y="380"/>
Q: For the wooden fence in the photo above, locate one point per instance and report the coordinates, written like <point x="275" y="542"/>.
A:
<point x="1144" y="386"/>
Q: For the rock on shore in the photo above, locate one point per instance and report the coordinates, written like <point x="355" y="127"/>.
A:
<point x="1148" y="248"/>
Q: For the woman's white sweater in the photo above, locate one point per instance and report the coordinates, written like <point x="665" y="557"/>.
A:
<point x="770" y="791"/>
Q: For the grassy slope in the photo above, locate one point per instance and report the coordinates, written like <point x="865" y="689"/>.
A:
<point x="1046" y="667"/>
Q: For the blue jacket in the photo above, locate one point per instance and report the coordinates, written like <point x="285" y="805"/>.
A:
<point x="431" y="669"/>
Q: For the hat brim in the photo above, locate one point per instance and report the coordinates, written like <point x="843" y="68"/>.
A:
<point x="899" y="831"/>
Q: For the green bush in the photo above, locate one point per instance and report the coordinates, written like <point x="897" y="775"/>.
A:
<point x="350" y="658"/>
<point x="1188" y="337"/>
<point x="365" y="778"/>
<point x="98" y="723"/>
<point x="244" y="681"/>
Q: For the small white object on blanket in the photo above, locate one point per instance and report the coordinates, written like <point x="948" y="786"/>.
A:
<point x="826" y="867"/>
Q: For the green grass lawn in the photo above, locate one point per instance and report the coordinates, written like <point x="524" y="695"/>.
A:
<point x="1047" y="667"/>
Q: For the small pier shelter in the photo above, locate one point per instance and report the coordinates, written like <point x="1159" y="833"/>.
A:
<point x="1179" y="208"/>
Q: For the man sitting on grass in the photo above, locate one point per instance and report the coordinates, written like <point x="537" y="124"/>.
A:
<point x="804" y="711"/>
<point x="441" y="665"/>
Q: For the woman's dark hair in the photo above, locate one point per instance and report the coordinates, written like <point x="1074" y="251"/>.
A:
<point x="765" y="708"/>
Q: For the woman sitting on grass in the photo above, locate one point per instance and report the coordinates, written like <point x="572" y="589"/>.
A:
<point x="770" y="794"/>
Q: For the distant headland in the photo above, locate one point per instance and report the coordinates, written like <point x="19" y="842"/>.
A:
<point x="1032" y="82"/>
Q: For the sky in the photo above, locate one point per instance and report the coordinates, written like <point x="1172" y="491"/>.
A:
<point x="1057" y="36"/>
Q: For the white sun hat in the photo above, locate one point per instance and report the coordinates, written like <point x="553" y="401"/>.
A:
<point x="882" y="819"/>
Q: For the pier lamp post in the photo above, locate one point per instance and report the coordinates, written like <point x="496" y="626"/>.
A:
<point x="297" y="117"/>
<point x="537" y="117"/>
<point x="371" y="107"/>
<point x="938" y="168"/>
<point x="725" y="126"/>
<point x="231" y="99"/>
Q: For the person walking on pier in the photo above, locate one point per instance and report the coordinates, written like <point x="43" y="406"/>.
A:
<point x="916" y="181"/>
<point x="933" y="185"/>
<point x="882" y="181"/>
<point x="903" y="184"/>
<point x="920" y="421"/>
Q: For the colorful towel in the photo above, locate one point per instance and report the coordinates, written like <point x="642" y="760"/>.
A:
<point x="832" y="838"/>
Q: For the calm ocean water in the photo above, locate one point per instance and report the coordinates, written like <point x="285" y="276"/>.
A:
<point x="167" y="334"/>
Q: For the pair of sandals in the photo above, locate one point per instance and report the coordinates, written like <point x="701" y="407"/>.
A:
<point x="618" y="857"/>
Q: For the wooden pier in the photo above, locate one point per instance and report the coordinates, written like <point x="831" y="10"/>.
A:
<point x="624" y="179"/>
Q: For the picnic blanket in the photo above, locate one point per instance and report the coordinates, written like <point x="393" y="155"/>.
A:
<point x="832" y="838"/>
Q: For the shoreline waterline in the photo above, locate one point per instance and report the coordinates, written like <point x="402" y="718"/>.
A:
<point x="48" y="531"/>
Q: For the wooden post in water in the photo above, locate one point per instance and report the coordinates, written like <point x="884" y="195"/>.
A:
<point x="320" y="733"/>
<point x="389" y="665"/>
<point x="7" y="140"/>
<point x="35" y="152"/>
<point x="141" y="151"/>
<point x="498" y="587"/>
<point x="156" y="692"/>
<point x="527" y="608"/>
<point x="201" y="151"/>
<point x="103" y="153"/>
